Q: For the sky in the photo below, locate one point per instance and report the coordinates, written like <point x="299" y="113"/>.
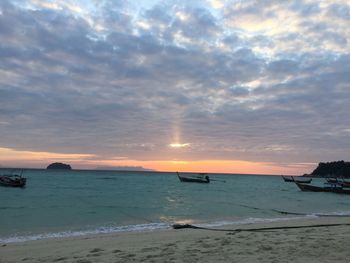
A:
<point x="204" y="86"/>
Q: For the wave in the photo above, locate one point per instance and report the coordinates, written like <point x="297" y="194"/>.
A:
<point x="162" y="226"/>
<point x="253" y="220"/>
<point x="100" y="230"/>
<point x="333" y="214"/>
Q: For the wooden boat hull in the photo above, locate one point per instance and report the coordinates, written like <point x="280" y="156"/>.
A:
<point x="293" y="179"/>
<point x="330" y="189"/>
<point x="345" y="184"/>
<point x="12" y="181"/>
<point x="205" y="180"/>
<point x="193" y="180"/>
<point x="340" y="182"/>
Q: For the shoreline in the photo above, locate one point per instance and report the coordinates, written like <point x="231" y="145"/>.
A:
<point x="148" y="227"/>
<point x="312" y="244"/>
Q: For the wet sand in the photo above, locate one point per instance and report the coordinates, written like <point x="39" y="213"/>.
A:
<point x="312" y="244"/>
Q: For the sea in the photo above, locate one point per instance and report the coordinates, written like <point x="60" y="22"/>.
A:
<point x="58" y="204"/>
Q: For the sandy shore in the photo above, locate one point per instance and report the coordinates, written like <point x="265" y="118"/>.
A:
<point x="321" y="244"/>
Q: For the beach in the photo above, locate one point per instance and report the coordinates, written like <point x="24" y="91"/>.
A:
<point x="99" y="216"/>
<point x="311" y="244"/>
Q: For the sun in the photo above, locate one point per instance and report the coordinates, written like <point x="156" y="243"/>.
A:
<point x="179" y="145"/>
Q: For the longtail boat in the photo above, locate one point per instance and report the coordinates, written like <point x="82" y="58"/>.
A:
<point x="298" y="180"/>
<point x="12" y="180"/>
<point x="331" y="188"/>
<point x="201" y="178"/>
<point x="342" y="182"/>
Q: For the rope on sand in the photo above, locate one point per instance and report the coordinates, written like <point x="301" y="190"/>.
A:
<point x="182" y="226"/>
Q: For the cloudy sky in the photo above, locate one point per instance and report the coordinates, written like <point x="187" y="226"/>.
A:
<point x="217" y="86"/>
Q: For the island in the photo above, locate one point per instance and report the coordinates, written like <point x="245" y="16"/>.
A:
<point x="332" y="169"/>
<point x="59" y="166"/>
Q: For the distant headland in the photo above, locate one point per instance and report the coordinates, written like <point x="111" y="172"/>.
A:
<point x="124" y="168"/>
<point x="332" y="169"/>
<point x="59" y="166"/>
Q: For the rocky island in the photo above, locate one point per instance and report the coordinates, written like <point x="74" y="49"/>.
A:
<point x="332" y="169"/>
<point x="59" y="166"/>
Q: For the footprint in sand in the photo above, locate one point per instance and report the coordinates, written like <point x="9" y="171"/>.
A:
<point x="59" y="259"/>
<point x="96" y="250"/>
<point x="171" y="245"/>
<point x="131" y="255"/>
<point x="83" y="261"/>
<point x="147" y="249"/>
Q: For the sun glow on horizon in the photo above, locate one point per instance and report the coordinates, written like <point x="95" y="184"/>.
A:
<point x="214" y="166"/>
<point x="179" y="145"/>
<point x="12" y="158"/>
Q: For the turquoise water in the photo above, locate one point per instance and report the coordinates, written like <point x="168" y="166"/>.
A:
<point x="71" y="203"/>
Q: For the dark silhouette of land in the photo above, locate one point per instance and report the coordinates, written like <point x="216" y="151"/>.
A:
<point x="332" y="169"/>
<point x="59" y="166"/>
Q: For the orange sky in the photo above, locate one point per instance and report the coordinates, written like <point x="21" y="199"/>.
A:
<point x="218" y="166"/>
<point x="14" y="158"/>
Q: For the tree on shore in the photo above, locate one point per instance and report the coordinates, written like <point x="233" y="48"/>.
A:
<point x="333" y="169"/>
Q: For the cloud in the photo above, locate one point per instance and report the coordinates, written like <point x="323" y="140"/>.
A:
<point x="250" y="80"/>
<point x="341" y="11"/>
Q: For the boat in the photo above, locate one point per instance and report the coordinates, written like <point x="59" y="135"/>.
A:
<point x="332" y="188"/>
<point x="201" y="178"/>
<point x="342" y="182"/>
<point x="12" y="180"/>
<point x="345" y="184"/>
<point x="332" y="180"/>
<point x="293" y="179"/>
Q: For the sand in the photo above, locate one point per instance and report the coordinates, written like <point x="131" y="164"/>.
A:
<point x="323" y="244"/>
